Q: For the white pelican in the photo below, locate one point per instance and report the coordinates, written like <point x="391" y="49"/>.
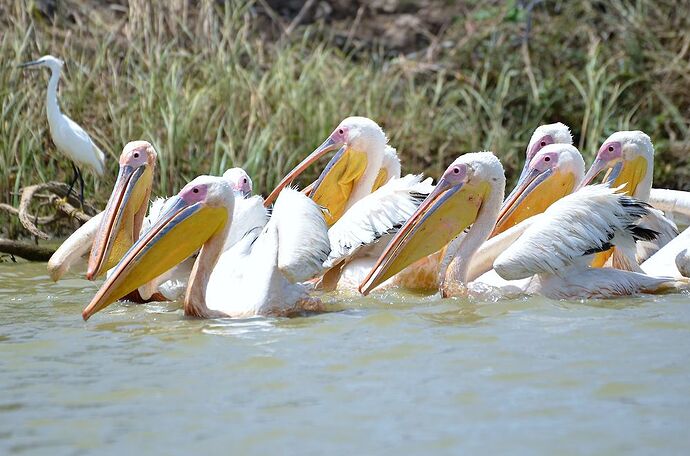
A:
<point x="544" y="135"/>
<point x="551" y="173"/>
<point x="109" y="234"/>
<point x="260" y="275"/>
<point x="69" y="138"/>
<point x="554" y="251"/>
<point x="364" y="197"/>
<point x="240" y="180"/>
<point x="352" y="172"/>
<point x="628" y="159"/>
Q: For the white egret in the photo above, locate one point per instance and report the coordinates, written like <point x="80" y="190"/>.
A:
<point x="69" y="138"/>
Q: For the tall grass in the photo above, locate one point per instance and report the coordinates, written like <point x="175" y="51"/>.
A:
<point x="202" y="82"/>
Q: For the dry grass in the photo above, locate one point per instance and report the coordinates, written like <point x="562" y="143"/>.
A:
<point x="210" y="91"/>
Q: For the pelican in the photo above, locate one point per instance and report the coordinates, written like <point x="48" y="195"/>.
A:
<point x="544" y="135"/>
<point x="109" y="234"/>
<point x="69" y="138"/>
<point x="351" y="174"/>
<point x="553" y="252"/>
<point x="364" y="197"/>
<point x="260" y="275"/>
<point x="550" y="174"/>
<point x="627" y="157"/>
<point x="241" y="182"/>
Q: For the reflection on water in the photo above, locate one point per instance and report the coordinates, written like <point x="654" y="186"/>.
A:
<point x="393" y="373"/>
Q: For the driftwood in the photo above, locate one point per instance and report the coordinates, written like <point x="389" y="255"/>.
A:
<point x="53" y="195"/>
<point x="26" y="250"/>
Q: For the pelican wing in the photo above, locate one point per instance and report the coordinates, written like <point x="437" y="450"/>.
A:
<point x="655" y="221"/>
<point x="380" y="213"/>
<point x="666" y="261"/>
<point x="75" y="250"/>
<point x="674" y="203"/>
<point x="302" y="235"/>
<point x="585" y="222"/>
<point x="249" y="216"/>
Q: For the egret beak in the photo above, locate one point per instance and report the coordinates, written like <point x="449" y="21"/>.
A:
<point x="178" y="233"/>
<point x="122" y="218"/>
<point x="327" y="146"/>
<point x="441" y="217"/>
<point x="28" y="64"/>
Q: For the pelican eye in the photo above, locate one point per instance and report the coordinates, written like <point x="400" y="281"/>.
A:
<point x="546" y="159"/>
<point x="543" y="143"/>
<point x="195" y="190"/>
<point x="341" y="131"/>
<point x="136" y="154"/>
<point x="244" y="180"/>
<point x="456" y="170"/>
<point x="610" y="148"/>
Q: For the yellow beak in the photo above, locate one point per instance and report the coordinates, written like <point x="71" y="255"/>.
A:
<point x="532" y="195"/>
<point x="630" y="175"/>
<point x="177" y="234"/>
<point x="334" y="186"/>
<point x="621" y="173"/>
<point x="121" y="220"/>
<point x="327" y="146"/>
<point x="443" y="215"/>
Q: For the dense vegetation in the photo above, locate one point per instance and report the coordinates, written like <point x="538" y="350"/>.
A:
<point x="242" y="83"/>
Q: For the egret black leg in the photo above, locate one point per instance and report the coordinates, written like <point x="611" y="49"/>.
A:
<point x="74" y="179"/>
<point x="81" y="188"/>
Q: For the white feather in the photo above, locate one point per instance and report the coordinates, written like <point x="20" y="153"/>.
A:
<point x="376" y="215"/>
<point x="303" y="243"/>
<point x="571" y="229"/>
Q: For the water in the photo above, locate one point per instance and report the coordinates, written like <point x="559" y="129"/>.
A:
<point x="420" y="375"/>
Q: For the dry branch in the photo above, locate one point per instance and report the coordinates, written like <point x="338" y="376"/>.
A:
<point x="56" y="197"/>
<point x="26" y="250"/>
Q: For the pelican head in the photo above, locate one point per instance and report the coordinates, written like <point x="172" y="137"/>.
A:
<point x="553" y="172"/>
<point x="126" y="208"/>
<point x="360" y="145"/>
<point x="47" y="61"/>
<point x="628" y="159"/>
<point x="201" y="211"/>
<point x="544" y="135"/>
<point x="453" y="205"/>
<point x="240" y="181"/>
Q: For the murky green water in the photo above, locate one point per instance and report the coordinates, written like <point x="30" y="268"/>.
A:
<point x="418" y="376"/>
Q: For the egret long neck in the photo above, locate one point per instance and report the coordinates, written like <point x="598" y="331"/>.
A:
<point x="52" y="107"/>
<point x="456" y="274"/>
<point x="195" y="298"/>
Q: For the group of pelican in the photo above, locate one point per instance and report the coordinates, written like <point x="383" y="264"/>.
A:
<point x="362" y="226"/>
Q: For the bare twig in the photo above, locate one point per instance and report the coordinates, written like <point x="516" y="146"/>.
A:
<point x="69" y="210"/>
<point x="355" y="25"/>
<point x="296" y="21"/>
<point x="24" y="216"/>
